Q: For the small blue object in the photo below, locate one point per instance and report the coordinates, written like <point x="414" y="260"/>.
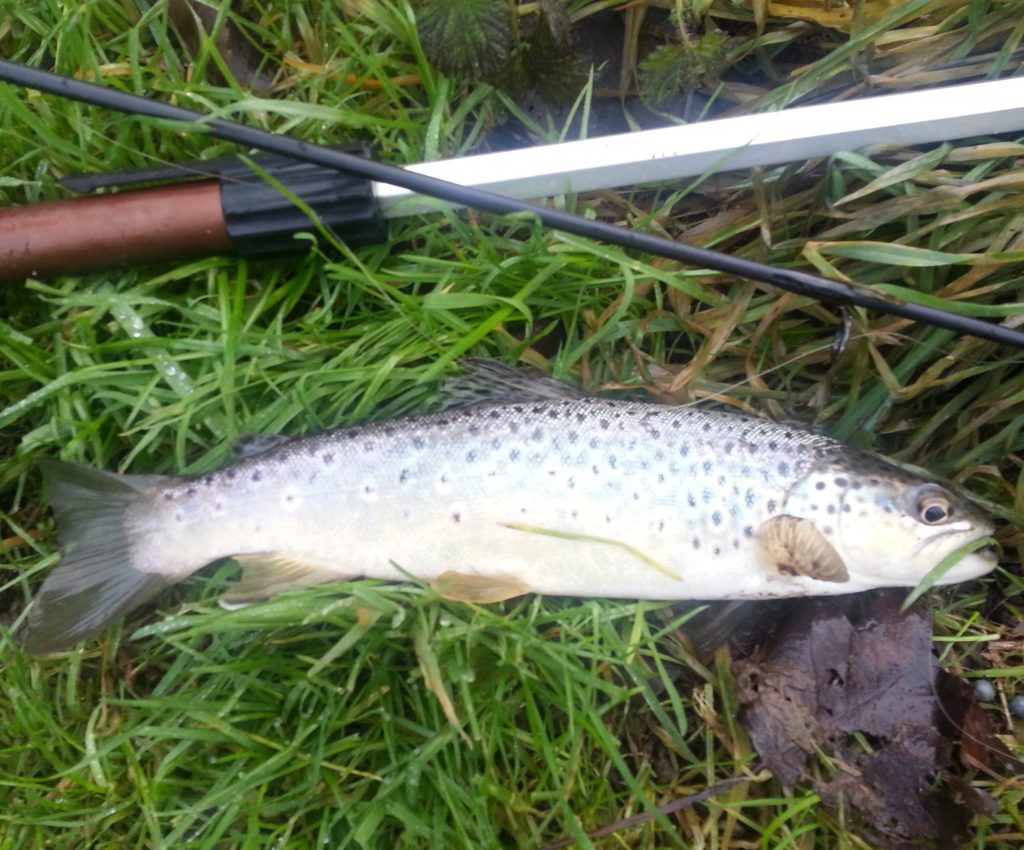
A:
<point x="984" y="691"/>
<point x="1017" y="706"/>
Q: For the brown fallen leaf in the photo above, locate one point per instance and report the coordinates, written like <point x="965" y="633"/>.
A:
<point x="195" y="21"/>
<point x="852" y="681"/>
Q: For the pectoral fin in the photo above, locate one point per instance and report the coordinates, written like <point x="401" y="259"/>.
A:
<point x="469" y="587"/>
<point x="794" y="546"/>
<point x="265" y="574"/>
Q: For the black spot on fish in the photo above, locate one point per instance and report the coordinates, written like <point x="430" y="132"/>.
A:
<point x="748" y="532"/>
<point x="191" y="491"/>
<point x="613" y="461"/>
<point x="571" y="483"/>
<point x="856" y="485"/>
<point x="684" y="450"/>
<point x="456" y="517"/>
<point x="718" y="551"/>
<point x="418" y="442"/>
<point x="692" y="502"/>
<point x="496" y="443"/>
<point x="661" y="478"/>
<point x="706" y="427"/>
<point x="608" y="519"/>
<point x="696" y="543"/>
<point x="554" y="414"/>
<point x="773" y="446"/>
<point x="575" y="514"/>
<point x="661" y="525"/>
<point x="707" y="467"/>
<point x="820" y="485"/>
<point x="831" y="509"/>
<point x="636" y="496"/>
<point x="594" y="469"/>
<point x="514" y="455"/>
<point x="444" y="479"/>
<point x="735" y="543"/>
<point x="721" y="480"/>
<point x="179" y="517"/>
<point x="841" y="482"/>
<point x="256" y="476"/>
<point x="403" y="476"/>
<point x="716" y="518"/>
<point x="771" y="506"/>
<point x="230" y="474"/>
<point x="707" y="496"/>
<point x="574" y="437"/>
<point x="168" y="495"/>
<point x="470" y="456"/>
<point x="537" y="435"/>
<point x="328" y="458"/>
<point x="494" y="414"/>
<point x="783" y="468"/>
<point x="846" y="508"/>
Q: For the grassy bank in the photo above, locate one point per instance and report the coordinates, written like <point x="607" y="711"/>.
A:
<point x="370" y="715"/>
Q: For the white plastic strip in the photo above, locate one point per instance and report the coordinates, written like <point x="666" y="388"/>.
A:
<point x="726" y="144"/>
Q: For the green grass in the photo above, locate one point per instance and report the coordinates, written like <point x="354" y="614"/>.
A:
<point x="369" y="715"/>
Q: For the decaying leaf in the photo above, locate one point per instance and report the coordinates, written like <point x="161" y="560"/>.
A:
<point x="846" y="700"/>
<point x="194" y="21"/>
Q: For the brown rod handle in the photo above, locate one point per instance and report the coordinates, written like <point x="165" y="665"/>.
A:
<point x="136" y="227"/>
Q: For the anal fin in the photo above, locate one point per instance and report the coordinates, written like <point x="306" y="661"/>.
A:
<point x="265" y="574"/>
<point x="470" y="587"/>
<point x="793" y="545"/>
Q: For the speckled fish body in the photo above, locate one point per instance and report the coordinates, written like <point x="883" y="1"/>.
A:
<point x="580" y="496"/>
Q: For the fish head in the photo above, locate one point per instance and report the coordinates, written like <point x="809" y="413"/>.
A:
<point x="890" y="527"/>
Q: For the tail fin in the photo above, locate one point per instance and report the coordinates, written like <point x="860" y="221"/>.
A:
<point x="95" y="581"/>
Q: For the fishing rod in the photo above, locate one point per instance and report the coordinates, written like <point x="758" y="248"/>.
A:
<point x="908" y="122"/>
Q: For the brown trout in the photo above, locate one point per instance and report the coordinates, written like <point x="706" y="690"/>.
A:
<point x="531" y="487"/>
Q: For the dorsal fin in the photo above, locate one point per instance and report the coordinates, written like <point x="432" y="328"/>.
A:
<point x="484" y="381"/>
<point x="247" y="445"/>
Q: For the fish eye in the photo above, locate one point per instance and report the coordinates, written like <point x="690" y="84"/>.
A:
<point x="934" y="509"/>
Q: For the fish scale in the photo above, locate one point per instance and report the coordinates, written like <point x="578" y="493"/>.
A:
<point x="534" y="487"/>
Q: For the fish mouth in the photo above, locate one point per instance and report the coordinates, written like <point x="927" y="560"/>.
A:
<point x="967" y="535"/>
<point x="990" y="553"/>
